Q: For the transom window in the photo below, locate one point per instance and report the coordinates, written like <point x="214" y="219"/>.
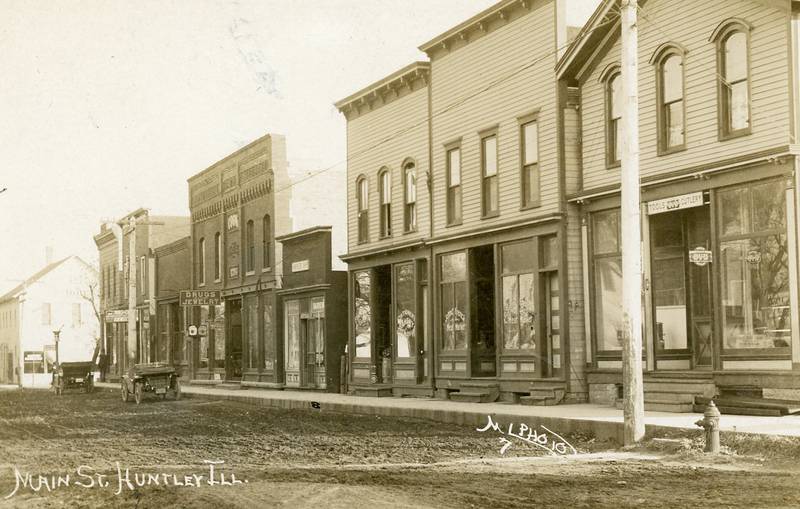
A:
<point x="489" y="170"/>
<point x="454" y="186"/>
<point x="385" y="186"/>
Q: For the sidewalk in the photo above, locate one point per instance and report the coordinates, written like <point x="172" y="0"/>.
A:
<point x="598" y="420"/>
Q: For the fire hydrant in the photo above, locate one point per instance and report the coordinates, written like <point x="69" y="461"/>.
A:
<point x="710" y="422"/>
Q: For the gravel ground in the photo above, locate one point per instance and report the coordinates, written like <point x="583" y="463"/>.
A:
<point x="312" y="458"/>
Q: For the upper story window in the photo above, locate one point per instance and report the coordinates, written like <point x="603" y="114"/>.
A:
<point x="529" y="155"/>
<point x="362" y="191"/>
<point x="410" y="198"/>
<point x="385" y="190"/>
<point x="613" y="118"/>
<point x="671" y="109"/>
<point x="142" y="275"/>
<point x="266" y="225"/>
<point x="217" y="257"/>
<point x="454" y="186"/>
<point x="201" y="262"/>
<point x="489" y="187"/>
<point x="251" y="246"/>
<point x="733" y="68"/>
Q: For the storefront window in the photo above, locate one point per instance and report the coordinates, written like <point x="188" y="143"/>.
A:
<point x="178" y="343"/>
<point x="33" y="362"/>
<point x="454" y="301"/>
<point x="251" y="311"/>
<point x="363" y="313"/>
<point x="519" y="304"/>
<point x="219" y="336"/>
<point x="292" y="334"/>
<point x="755" y="267"/>
<point x="406" y="315"/>
<point x="607" y="280"/>
<point x="269" y="339"/>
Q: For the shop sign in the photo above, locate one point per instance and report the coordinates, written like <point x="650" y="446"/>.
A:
<point x="753" y="257"/>
<point x="300" y="266"/>
<point x="700" y="256"/>
<point x="33" y="356"/>
<point x="202" y="330"/>
<point x="117" y="316"/>
<point x="233" y="272"/>
<point x="193" y="330"/>
<point x="200" y="298"/>
<point x="684" y="201"/>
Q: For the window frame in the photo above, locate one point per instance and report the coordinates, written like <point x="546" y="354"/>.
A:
<point x="612" y="73"/>
<point x="217" y="257"/>
<point x="453" y="219"/>
<point x="409" y="207"/>
<point x="594" y="256"/>
<point x="661" y="56"/>
<point x="266" y="243"/>
<point x="489" y="181"/>
<point x="720" y="37"/>
<point x="250" y="243"/>
<point x="201" y="269"/>
<point x="362" y="209"/>
<point x="528" y="198"/>
<point x="385" y="206"/>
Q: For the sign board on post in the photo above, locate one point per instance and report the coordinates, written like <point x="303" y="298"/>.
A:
<point x="700" y="256"/>
<point x="200" y="298"/>
<point x="684" y="201"/>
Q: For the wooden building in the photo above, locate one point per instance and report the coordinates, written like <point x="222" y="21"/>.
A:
<point x="169" y="334"/>
<point x="238" y="205"/>
<point x="718" y="90"/>
<point x="313" y="303"/>
<point x="456" y="218"/>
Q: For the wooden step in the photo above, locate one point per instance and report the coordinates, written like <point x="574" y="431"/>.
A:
<point x="539" y="400"/>
<point x="373" y="391"/>
<point x="473" y="396"/>
<point x="783" y="407"/>
<point x="666" y="405"/>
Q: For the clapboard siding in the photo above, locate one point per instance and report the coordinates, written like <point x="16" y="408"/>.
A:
<point x="575" y="319"/>
<point x="690" y="24"/>
<point x="403" y="123"/>
<point x="473" y="67"/>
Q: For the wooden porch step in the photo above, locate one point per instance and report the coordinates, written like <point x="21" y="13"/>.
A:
<point x="667" y="405"/>
<point x="372" y="391"/>
<point x="473" y="396"/>
<point x="751" y="406"/>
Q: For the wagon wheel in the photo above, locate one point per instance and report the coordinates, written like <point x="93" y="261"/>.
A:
<point x="177" y="390"/>
<point x="125" y="392"/>
<point x="138" y="392"/>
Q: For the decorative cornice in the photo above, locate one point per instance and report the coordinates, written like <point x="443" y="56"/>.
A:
<point x="390" y="85"/>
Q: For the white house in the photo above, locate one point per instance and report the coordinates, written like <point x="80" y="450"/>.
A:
<point x="63" y="297"/>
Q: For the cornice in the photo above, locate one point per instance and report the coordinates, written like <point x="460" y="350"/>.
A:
<point x="386" y="89"/>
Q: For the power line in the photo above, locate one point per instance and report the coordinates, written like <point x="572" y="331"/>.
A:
<point x="449" y="107"/>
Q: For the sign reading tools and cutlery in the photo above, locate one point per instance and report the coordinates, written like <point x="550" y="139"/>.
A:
<point x="684" y="201"/>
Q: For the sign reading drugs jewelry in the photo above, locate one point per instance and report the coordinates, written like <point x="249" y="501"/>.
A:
<point x="684" y="201"/>
<point x="200" y="298"/>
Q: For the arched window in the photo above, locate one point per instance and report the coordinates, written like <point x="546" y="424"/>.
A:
<point x="201" y="262"/>
<point x="385" y="190"/>
<point x="613" y="117"/>
<point x="733" y="68"/>
<point x="251" y="246"/>
<point x="266" y="226"/>
<point x="217" y="257"/>
<point x="362" y="191"/>
<point x="671" y="114"/>
<point x="410" y="196"/>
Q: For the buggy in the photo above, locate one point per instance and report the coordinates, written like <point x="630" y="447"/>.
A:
<point x="71" y="375"/>
<point x="156" y="377"/>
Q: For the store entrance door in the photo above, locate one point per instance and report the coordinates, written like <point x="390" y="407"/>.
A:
<point x="681" y="281"/>
<point x="233" y="365"/>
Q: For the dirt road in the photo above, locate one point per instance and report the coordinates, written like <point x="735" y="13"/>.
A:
<point x="96" y="451"/>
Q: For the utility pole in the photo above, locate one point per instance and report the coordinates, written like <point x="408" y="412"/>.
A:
<point x="633" y="400"/>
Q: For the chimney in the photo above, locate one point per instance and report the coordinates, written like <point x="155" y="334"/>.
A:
<point x="48" y="255"/>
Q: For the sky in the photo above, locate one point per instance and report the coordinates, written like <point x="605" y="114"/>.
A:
<point x="108" y="106"/>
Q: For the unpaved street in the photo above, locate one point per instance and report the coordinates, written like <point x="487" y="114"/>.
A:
<point x="278" y="458"/>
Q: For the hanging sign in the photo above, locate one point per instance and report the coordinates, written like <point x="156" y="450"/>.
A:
<point x="117" y="316"/>
<point x="700" y="256"/>
<point x="684" y="201"/>
<point x="753" y="257"/>
<point x="193" y="330"/>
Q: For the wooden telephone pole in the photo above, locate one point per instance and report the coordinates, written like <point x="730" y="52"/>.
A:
<point x="633" y="403"/>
